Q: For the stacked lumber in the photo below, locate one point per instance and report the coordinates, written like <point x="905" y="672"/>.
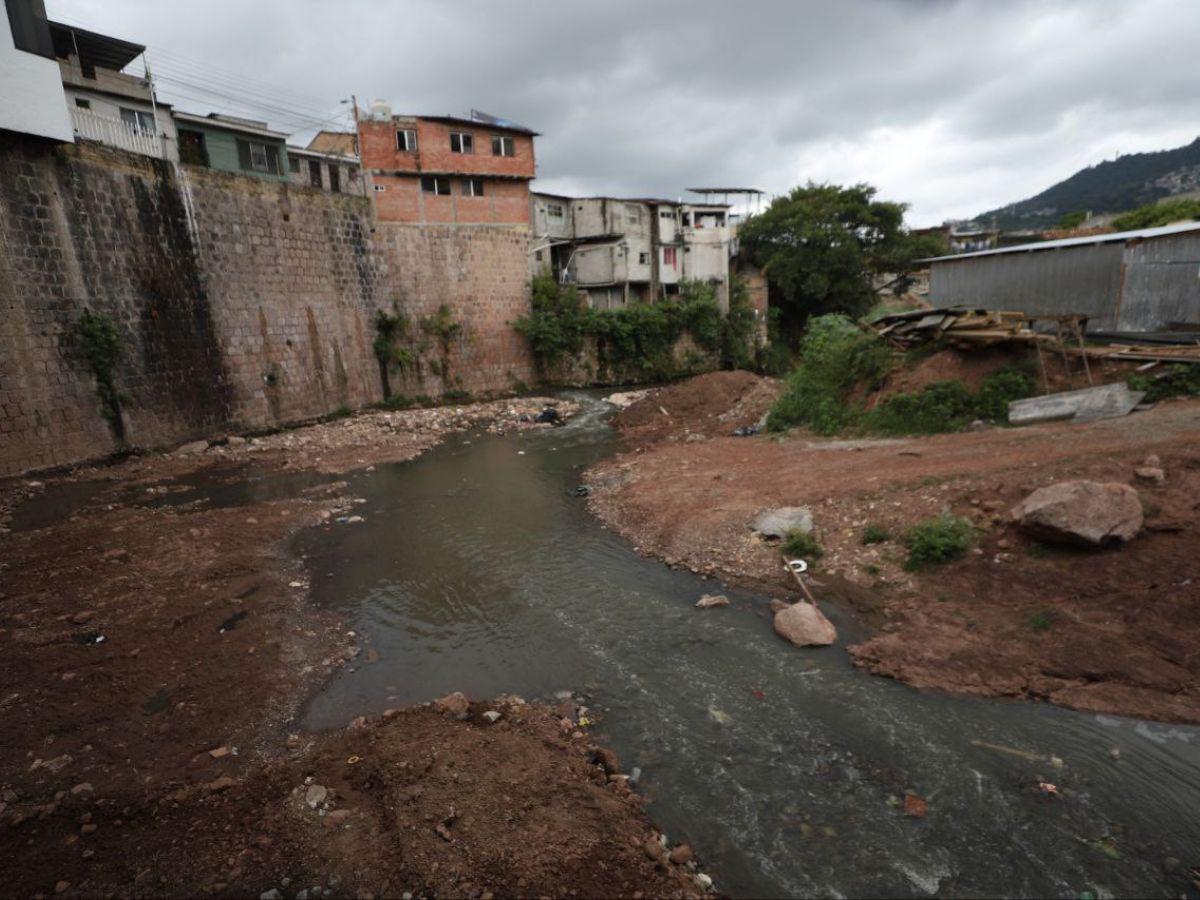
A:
<point x="965" y="327"/>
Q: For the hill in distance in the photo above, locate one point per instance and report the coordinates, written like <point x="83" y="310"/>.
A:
<point x="1117" y="185"/>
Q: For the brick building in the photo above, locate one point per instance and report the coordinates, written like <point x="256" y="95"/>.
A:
<point x="445" y="170"/>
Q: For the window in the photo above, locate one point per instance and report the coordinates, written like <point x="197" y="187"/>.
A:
<point x="432" y="184"/>
<point x="83" y="104"/>
<point x="643" y="258"/>
<point x="254" y="156"/>
<point x="554" y="211"/>
<point x="462" y="142"/>
<point x="633" y="215"/>
<point x="503" y="146"/>
<point x="314" y="173"/>
<point x="192" y="149"/>
<point x="293" y="165"/>
<point x="335" y="178"/>
<point x="379" y="188"/>
<point x="669" y="256"/>
<point x="472" y="187"/>
<point x="406" y="140"/>
<point x="137" y="119"/>
<point x="666" y="214"/>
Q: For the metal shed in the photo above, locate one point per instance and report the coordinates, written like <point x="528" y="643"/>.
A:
<point x="1129" y="281"/>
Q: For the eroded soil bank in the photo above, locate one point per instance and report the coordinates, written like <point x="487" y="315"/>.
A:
<point x="1114" y="631"/>
<point x="156" y="643"/>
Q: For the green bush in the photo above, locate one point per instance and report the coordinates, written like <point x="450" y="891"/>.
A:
<point x="635" y="341"/>
<point x="835" y="357"/>
<point x="802" y="544"/>
<point x="1041" y="621"/>
<point x="1181" y="380"/>
<point x="950" y="406"/>
<point x="98" y="337"/>
<point x="937" y="540"/>
<point x="875" y="534"/>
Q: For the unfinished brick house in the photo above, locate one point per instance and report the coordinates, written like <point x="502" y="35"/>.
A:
<point x="445" y="170"/>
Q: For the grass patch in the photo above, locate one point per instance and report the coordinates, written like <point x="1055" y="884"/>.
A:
<point x="1040" y="621"/>
<point x="936" y="541"/>
<point x="875" y="534"/>
<point x="1181" y="380"/>
<point x="950" y="406"/>
<point x="802" y="544"/>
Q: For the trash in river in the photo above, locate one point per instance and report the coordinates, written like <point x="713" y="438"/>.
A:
<point x="1048" y="789"/>
<point x="231" y="623"/>
<point x="711" y="600"/>
<point x="719" y="716"/>
<point x="914" y="806"/>
<point x="1024" y="754"/>
<point x="745" y="431"/>
<point x="550" y="415"/>
<point x="583" y="490"/>
<point x="88" y="637"/>
<point x="759" y="693"/>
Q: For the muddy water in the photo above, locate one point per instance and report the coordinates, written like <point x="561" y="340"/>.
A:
<point x="477" y="570"/>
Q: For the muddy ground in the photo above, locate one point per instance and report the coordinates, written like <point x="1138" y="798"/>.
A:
<point x="1114" y="630"/>
<point x="156" y="644"/>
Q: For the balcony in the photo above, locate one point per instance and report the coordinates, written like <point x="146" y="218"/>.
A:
<point x="115" y="133"/>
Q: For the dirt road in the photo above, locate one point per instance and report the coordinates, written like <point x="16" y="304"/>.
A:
<point x="1116" y="630"/>
<point x="156" y="643"/>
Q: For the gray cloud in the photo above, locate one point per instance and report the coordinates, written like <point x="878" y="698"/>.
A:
<point x="955" y="107"/>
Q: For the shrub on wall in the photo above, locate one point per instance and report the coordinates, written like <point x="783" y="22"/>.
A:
<point x="98" y="338"/>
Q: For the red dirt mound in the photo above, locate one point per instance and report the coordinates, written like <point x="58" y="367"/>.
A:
<point x="712" y="404"/>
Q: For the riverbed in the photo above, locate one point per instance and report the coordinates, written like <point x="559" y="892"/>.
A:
<point x="477" y="568"/>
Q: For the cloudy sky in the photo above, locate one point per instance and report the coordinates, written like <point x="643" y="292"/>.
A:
<point x="953" y="107"/>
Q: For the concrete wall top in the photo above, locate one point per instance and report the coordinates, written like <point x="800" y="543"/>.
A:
<point x="39" y="106"/>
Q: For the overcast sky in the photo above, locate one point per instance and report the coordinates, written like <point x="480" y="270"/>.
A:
<point x="953" y="107"/>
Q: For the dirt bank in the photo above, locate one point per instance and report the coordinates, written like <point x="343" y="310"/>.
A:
<point x="156" y="643"/>
<point x="708" y="405"/>
<point x="1114" y="630"/>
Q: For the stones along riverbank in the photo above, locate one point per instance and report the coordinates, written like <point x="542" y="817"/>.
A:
<point x="1108" y="629"/>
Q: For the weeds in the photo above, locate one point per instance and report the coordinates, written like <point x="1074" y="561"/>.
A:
<point x="937" y="540"/>
<point x="1181" y="380"/>
<point x="803" y="545"/>
<point x="1040" y="621"/>
<point x="875" y="534"/>
<point x="98" y="337"/>
<point x="835" y="357"/>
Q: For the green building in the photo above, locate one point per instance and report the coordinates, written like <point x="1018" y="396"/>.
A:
<point x="231" y="144"/>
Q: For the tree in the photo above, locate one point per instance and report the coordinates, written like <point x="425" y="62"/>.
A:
<point x="1073" y="219"/>
<point x="822" y="245"/>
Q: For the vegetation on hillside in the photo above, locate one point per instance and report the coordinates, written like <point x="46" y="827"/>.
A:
<point x="1111" y="186"/>
<point x="839" y="360"/>
<point x="1154" y="214"/>
<point x="821" y="247"/>
<point x="637" y="342"/>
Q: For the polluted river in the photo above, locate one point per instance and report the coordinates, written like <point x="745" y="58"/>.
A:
<point x="477" y="568"/>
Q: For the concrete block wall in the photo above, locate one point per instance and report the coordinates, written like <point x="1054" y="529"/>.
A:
<point x="241" y="303"/>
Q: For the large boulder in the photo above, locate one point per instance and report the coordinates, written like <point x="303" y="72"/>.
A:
<point x="1085" y="513"/>
<point x="805" y="626"/>
<point x="778" y="523"/>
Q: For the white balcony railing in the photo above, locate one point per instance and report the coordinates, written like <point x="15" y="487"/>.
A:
<point x="115" y="132"/>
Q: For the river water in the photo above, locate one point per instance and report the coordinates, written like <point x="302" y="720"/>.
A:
<point x="477" y="569"/>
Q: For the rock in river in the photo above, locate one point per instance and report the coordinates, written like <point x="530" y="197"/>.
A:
<point x="710" y="600"/>
<point x="1089" y="513"/>
<point x="778" y="523"/>
<point x="805" y="626"/>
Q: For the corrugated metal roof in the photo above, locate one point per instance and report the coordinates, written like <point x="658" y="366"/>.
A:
<point x="1114" y="237"/>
